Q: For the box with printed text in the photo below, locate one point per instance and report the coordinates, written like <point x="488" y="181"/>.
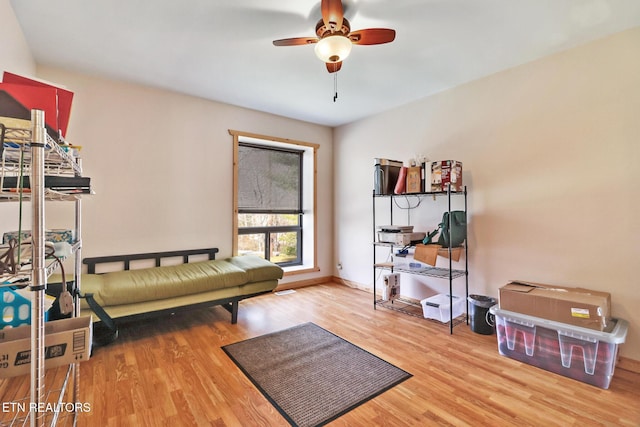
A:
<point x="66" y="341"/>
<point x="575" y="306"/>
<point x="446" y="173"/>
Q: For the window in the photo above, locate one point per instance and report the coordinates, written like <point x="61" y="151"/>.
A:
<point x="270" y="202"/>
<point x="274" y="200"/>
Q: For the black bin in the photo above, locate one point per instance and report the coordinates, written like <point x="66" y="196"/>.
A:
<point x="481" y="321"/>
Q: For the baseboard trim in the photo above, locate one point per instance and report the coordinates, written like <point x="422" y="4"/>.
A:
<point x="303" y="283"/>
<point x="349" y="283"/>
<point x="629" y="364"/>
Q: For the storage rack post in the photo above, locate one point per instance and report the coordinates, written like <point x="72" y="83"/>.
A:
<point x="38" y="278"/>
<point x="466" y="254"/>
<point x="77" y="284"/>
<point x="466" y="263"/>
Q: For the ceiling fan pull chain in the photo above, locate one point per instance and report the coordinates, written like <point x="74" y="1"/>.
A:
<point x="335" y="86"/>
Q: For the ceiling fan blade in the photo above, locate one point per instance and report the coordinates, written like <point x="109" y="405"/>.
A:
<point x="334" y="67"/>
<point x="372" y="36"/>
<point x="332" y="14"/>
<point x="296" y="41"/>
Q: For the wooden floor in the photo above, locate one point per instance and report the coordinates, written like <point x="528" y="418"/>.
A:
<point x="172" y="372"/>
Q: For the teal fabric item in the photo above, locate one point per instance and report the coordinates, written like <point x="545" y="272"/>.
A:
<point x="453" y="229"/>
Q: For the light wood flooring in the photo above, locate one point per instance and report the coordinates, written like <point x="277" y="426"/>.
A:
<point x="172" y="372"/>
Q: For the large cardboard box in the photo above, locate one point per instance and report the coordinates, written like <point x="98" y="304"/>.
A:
<point x="573" y="306"/>
<point x="66" y="341"/>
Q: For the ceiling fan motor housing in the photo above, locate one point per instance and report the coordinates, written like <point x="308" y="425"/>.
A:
<point x="323" y="30"/>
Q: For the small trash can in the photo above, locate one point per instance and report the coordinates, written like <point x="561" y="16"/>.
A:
<point x="481" y="321"/>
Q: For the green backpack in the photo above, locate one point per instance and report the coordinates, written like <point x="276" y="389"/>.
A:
<point x="456" y="228"/>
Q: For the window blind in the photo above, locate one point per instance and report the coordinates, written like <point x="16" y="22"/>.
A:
<point x="269" y="179"/>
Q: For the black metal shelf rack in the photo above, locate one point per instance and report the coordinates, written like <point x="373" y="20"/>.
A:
<point x="450" y="274"/>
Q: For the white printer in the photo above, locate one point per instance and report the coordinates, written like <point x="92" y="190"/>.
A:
<point x="401" y="235"/>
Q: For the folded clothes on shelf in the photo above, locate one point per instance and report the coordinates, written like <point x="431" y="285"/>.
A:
<point x="53" y="235"/>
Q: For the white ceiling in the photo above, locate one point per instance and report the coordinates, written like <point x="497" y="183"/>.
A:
<point x="222" y="49"/>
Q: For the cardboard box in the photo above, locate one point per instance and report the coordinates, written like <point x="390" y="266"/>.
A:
<point x="455" y="252"/>
<point x="429" y="253"/>
<point x="66" y="341"/>
<point x="574" y="306"/>
<point x="446" y="173"/>
<point x="391" y="288"/>
<point x="426" y="253"/>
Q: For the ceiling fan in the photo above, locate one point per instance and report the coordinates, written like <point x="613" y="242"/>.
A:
<point x="335" y="37"/>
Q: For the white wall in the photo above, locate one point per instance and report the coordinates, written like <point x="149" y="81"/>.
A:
<point x="161" y="166"/>
<point x="160" y="162"/>
<point x="15" y="57"/>
<point x="550" y="152"/>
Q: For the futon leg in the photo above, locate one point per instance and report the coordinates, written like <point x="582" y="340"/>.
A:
<point x="232" y="307"/>
<point x="234" y="312"/>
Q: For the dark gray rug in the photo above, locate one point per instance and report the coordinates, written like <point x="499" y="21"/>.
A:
<point x="311" y="375"/>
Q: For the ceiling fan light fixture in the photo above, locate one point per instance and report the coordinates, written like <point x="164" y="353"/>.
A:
<point x="334" y="48"/>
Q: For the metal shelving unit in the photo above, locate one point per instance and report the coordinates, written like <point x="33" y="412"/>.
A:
<point x="33" y="153"/>
<point x="405" y="305"/>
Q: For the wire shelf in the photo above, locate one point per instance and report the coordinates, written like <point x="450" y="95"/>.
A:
<point x="23" y="276"/>
<point x="413" y="308"/>
<point x="16" y="151"/>
<point x="13" y="195"/>
<point x="58" y="407"/>
<point x="59" y="161"/>
<point x="442" y="273"/>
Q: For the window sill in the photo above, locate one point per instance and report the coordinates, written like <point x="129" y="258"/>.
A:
<point x="299" y="269"/>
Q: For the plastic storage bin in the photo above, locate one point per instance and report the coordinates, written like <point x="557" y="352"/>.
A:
<point x="15" y="308"/>
<point x="438" y="307"/>
<point x="579" y="353"/>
